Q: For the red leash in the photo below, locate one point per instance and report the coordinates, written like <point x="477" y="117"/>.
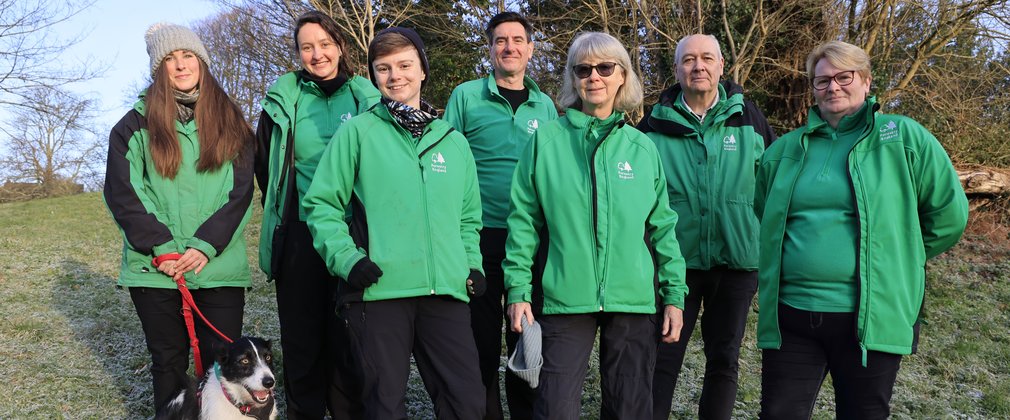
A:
<point x="188" y="307"/>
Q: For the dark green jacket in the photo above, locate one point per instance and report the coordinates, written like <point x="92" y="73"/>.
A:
<point x="289" y="96"/>
<point x="202" y="210"/>
<point x="416" y="206"/>
<point x="709" y="168"/>
<point x="910" y="208"/>
<point x="497" y="136"/>
<point x="597" y="195"/>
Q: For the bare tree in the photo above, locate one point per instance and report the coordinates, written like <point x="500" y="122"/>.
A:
<point x="27" y="47"/>
<point x="53" y="143"/>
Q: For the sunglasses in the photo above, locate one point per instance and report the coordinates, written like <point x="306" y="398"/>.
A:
<point x="585" y="70"/>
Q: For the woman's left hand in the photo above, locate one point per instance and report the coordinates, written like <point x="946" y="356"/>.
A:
<point x="673" y="321"/>
<point x="193" y="260"/>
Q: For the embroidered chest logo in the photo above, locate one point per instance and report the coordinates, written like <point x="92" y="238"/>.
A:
<point x="532" y="126"/>
<point x="729" y="143"/>
<point x="624" y="170"/>
<point x="345" y="117"/>
<point x="438" y="162"/>
<point x="889" y="131"/>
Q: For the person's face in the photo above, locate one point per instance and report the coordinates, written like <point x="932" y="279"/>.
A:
<point x="183" y="70"/>
<point x="700" y="66"/>
<point x="597" y="90"/>
<point x="836" y="101"/>
<point x="399" y="76"/>
<point x="510" y="49"/>
<point x="319" y="53"/>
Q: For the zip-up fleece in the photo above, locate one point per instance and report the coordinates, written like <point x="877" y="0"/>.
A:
<point x="497" y="136"/>
<point x="420" y="199"/>
<point x="710" y="169"/>
<point x="314" y="111"/>
<point x="597" y="194"/>
<point x="201" y="210"/>
<point x="910" y="205"/>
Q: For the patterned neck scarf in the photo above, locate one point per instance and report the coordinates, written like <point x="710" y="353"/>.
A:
<point x="413" y="119"/>
<point x="185" y="103"/>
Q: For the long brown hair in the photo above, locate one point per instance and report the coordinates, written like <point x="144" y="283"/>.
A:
<point x="224" y="133"/>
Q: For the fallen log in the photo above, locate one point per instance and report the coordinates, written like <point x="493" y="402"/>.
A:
<point x="984" y="181"/>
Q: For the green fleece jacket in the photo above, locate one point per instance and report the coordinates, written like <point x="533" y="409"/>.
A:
<point x="910" y="208"/>
<point x="497" y="136"/>
<point x="416" y="206"/>
<point x="710" y="167"/>
<point x="295" y="106"/>
<point x="597" y="187"/>
<point x="156" y="215"/>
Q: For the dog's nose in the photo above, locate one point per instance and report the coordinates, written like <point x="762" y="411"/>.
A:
<point x="268" y="382"/>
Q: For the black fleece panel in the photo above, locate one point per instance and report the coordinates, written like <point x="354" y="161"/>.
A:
<point x="261" y="163"/>
<point x="220" y="227"/>
<point x="142" y="228"/>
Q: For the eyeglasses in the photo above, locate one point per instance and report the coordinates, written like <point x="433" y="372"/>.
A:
<point x="585" y="70"/>
<point x="844" y="78"/>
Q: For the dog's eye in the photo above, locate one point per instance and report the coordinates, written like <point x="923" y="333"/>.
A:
<point x="244" y="361"/>
<point x="268" y="358"/>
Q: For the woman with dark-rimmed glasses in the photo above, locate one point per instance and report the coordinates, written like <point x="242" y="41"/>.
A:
<point x="851" y="207"/>
<point x="596" y="186"/>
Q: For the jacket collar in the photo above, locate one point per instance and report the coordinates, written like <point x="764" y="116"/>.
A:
<point x="578" y="119"/>
<point x="862" y="118"/>
<point x="535" y="93"/>
<point x="669" y="116"/>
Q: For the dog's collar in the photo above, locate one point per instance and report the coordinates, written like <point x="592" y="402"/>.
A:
<point x="248" y="410"/>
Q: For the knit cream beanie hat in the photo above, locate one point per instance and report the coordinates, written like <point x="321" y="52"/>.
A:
<point x="164" y="38"/>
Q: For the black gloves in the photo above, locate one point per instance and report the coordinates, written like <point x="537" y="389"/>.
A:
<point x="479" y="285"/>
<point x="364" y="273"/>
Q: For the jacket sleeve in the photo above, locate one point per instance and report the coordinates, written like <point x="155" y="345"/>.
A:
<point x="470" y="220"/>
<point x="661" y="225"/>
<point x="943" y="206"/>
<point x="524" y="222"/>
<point x="215" y="233"/>
<point x="261" y="164"/>
<point x="126" y="196"/>
<point x="327" y="199"/>
<point x="454" y="110"/>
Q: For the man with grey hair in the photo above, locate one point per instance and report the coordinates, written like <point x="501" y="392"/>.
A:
<point x="710" y="140"/>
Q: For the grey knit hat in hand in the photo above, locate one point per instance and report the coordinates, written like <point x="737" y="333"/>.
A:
<point x="163" y="38"/>
<point x="527" y="359"/>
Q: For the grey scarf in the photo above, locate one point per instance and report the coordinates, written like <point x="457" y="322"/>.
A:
<point x="185" y="103"/>
<point x="414" y="120"/>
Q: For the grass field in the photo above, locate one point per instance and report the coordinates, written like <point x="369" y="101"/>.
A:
<point x="72" y="345"/>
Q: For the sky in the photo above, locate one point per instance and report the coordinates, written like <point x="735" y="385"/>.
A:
<point x="113" y="39"/>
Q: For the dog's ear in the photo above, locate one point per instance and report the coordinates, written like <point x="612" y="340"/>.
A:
<point x="268" y="344"/>
<point x="221" y="351"/>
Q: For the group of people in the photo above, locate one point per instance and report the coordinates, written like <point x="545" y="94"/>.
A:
<point x="392" y="232"/>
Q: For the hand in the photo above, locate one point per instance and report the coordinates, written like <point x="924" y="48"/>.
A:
<point x="476" y="284"/>
<point x="673" y="321"/>
<point x="192" y="260"/>
<point x="516" y="312"/>
<point x="167" y="267"/>
<point x="364" y="273"/>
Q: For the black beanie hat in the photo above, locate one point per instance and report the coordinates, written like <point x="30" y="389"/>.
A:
<point x="414" y="39"/>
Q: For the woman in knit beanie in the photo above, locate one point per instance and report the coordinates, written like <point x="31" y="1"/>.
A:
<point x="178" y="183"/>
<point x="409" y="260"/>
<point x="301" y="111"/>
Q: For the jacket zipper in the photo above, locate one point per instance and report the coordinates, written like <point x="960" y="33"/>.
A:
<point x="595" y="206"/>
<point x="424" y="198"/>
<point x="859" y="229"/>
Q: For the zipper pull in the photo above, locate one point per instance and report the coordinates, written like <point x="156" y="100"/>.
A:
<point x="424" y="174"/>
<point x="863" y="349"/>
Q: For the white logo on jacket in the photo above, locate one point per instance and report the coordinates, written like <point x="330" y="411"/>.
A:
<point x="889" y="131"/>
<point x="532" y="126"/>
<point x="345" y="117"/>
<point x="438" y="162"/>
<point x="729" y="143"/>
<point x="624" y="170"/>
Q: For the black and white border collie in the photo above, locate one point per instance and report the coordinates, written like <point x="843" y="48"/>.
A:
<point x="239" y="385"/>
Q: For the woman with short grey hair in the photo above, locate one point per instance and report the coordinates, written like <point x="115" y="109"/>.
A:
<point x="593" y="186"/>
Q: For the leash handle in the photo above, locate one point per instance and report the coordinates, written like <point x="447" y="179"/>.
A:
<point x="188" y="307"/>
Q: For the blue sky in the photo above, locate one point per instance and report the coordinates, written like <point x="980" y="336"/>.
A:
<point x="113" y="38"/>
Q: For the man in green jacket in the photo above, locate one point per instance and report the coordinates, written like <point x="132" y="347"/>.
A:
<point x="710" y="140"/>
<point x="498" y="114"/>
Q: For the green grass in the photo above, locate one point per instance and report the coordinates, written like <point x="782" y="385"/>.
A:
<point x="73" y="348"/>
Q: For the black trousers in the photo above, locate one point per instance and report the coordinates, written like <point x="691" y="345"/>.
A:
<point x="726" y="296"/>
<point x="160" y="312"/>
<point x="487" y="317"/>
<point x="627" y="358"/>
<point x="813" y="345"/>
<point x="435" y="329"/>
<point x="318" y="366"/>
